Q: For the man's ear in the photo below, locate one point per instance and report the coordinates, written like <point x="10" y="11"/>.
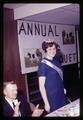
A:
<point x="4" y="92"/>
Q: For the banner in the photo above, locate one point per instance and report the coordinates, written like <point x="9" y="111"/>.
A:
<point x="30" y="38"/>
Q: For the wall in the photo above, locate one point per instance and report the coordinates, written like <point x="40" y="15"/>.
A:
<point x="11" y="61"/>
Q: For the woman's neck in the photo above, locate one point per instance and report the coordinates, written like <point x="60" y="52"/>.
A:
<point x="48" y="57"/>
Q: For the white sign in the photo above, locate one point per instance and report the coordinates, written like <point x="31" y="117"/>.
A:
<point x="30" y="38"/>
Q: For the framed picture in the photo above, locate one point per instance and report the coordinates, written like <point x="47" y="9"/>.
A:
<point x="32" y="57"/>
<point x="68" y="38"/>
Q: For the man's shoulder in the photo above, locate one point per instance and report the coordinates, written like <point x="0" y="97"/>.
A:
<point x="4" y="101"/>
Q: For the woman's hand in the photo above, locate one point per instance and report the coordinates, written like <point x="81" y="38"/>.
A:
<point x="47" y="107"/>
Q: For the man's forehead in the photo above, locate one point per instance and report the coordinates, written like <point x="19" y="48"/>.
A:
<point x="11" y="86"/>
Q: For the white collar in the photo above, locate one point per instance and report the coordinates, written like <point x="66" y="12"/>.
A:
<point x="10" y="102"/>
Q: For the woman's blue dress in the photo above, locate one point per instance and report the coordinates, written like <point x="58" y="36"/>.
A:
<point x="53" y="84"/>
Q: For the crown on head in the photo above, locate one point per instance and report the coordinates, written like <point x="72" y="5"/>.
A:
<point x="48" y="41"/>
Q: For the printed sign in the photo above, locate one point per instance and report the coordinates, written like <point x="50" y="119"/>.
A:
<point x="30" y="38"/>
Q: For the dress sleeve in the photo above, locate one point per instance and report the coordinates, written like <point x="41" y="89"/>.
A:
<point x="42" y="70"/>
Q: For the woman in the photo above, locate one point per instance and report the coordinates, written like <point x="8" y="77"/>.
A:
<point x="50" y="78"/>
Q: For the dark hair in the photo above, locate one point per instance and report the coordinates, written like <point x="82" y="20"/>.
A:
<point x="59" y="56"/>
<point x="45" y="45"/>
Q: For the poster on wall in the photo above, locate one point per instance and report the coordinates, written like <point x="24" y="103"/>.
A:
<point x="30" y="38"/>
<point x="32" y="57"/>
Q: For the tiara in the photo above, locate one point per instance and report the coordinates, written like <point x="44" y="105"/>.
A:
<point x="48" y="41"/>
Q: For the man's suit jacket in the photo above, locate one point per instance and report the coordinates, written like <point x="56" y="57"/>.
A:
<point x="24" y="108"/>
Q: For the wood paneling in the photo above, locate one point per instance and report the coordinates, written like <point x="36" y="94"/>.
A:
<point x="11" y="60"/>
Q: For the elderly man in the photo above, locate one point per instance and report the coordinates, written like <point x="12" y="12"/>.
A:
<point x="14" y="105"/>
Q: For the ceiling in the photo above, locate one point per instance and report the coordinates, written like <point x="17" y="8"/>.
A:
<point x="69" y="14"/>
<point x="13" y="6"/>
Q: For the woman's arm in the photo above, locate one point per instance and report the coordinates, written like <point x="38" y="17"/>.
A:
<point x="43" y="93"/>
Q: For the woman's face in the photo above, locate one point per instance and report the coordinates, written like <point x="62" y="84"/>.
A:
<point x="51" y="51"/>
